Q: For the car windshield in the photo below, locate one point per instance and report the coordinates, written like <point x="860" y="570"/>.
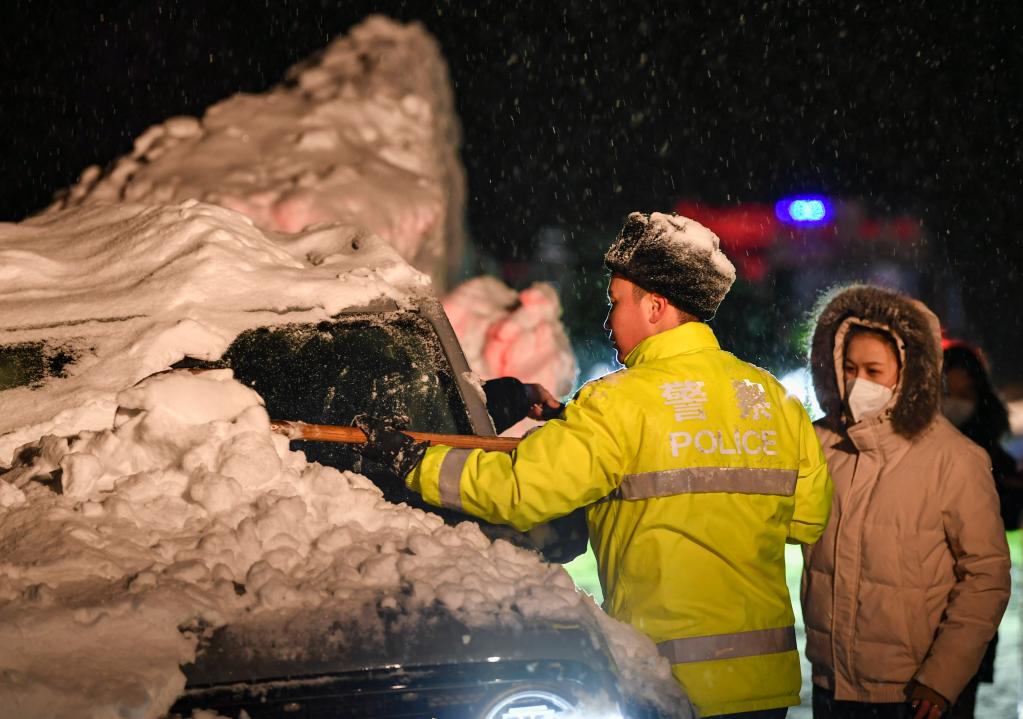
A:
<point x="29" y="364"/>
<point x="386" y="364"/>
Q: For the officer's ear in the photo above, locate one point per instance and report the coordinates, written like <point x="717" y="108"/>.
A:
<point x="659" y="307"/>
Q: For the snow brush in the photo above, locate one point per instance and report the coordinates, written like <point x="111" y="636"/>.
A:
<point x="354" y="435"/>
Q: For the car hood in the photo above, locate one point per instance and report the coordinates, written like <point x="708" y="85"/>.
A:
<point x="309" y="644"/>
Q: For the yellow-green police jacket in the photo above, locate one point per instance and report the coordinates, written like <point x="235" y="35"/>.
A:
<point x="696" y="468"/>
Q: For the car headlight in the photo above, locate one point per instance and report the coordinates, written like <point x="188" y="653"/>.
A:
<point x="529" y="704"/>
<point x="543" y="704"/>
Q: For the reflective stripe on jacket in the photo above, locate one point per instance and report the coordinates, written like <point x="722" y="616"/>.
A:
<point x="697" y="468"/>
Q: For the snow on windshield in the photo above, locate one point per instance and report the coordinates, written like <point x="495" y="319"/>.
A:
<point x="364" y="134"/>
<point x="130" y="289"/>
<point x="119" y="546"/>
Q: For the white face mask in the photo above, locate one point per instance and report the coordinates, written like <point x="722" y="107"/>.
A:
<point x="958" y="410"/>
<point x="866" y="399"/>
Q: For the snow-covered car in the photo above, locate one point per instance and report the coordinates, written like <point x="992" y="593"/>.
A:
<point x="160" y="546"/>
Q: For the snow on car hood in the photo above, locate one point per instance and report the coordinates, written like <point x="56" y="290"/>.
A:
<point x="128" y="290"/>
<point x="119" y="547"/>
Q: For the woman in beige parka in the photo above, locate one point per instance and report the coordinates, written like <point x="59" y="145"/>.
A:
<point x="906" y="587"/>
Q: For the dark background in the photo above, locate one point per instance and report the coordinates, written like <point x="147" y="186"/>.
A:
<point x="576" y="113"/>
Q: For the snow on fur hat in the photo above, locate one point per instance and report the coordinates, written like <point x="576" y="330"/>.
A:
<point x="675" y="257"/>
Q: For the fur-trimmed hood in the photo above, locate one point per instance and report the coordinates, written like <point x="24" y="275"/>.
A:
<point x="917" y="334"/>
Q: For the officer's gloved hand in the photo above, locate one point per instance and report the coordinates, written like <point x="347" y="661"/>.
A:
<point x="388" y="446"/>
<point x="542" y="404"/>
<point x="509" y="400"/>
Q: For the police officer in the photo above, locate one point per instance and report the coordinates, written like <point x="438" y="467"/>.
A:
<point x="695" y="468"/>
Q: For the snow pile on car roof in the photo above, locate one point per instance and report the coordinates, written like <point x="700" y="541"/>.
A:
<point x="127" y="290"/>
<point x="363" y="133"/>
<point x="120" y="547"/>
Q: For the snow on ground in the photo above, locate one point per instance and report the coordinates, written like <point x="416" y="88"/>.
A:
<point x="145" y="507"/>
<point x="363" y="134"/>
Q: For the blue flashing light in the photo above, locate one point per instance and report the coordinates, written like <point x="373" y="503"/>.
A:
<point x="804" y="210"/>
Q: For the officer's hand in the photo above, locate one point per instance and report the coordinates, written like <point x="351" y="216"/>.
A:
<point x="927" y="702"/>
<point x="542" y="404"/>
<point x="387" y="445"/>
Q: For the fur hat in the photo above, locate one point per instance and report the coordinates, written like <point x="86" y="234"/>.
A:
<point x="917" y="335"/>
<point x="675" y="257"/>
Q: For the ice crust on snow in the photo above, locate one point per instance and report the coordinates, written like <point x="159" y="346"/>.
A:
<point x="364" y="134"/>
<point x="162" y="518"/>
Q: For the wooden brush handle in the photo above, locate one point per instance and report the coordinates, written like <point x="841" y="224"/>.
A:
<point x="354" y="435"/>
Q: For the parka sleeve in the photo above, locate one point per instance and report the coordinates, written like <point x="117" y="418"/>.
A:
<point x="566" y="464"/>
<point x="813" y="487"/>
<point x="976" y="538"/>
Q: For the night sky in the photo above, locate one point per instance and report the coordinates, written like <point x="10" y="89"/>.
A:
<point x="576" y="113"/>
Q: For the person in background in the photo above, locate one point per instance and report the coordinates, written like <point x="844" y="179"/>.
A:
<point x="695" y="469"/>
<point x="906" y="588"/>
<point x="971" y="404"/>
